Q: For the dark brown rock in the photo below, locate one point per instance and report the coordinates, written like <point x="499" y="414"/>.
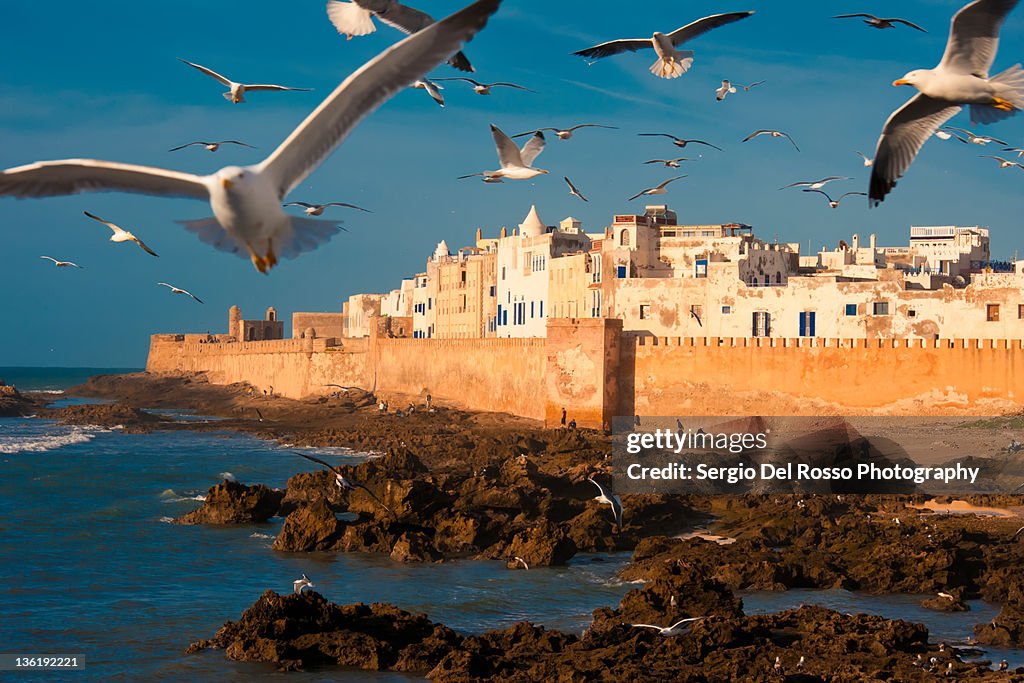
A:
<point x="231" y="502"/>
<point x="311" y="527"/>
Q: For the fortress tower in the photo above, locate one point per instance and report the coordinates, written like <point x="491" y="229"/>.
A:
<point x="234" y="320"/>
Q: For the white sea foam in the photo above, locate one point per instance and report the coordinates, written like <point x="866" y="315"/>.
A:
<point x="259" y="535"/>
<point x="40" y="443"/>
<point x="167" y="520"/>
<point x="172" y="496"/>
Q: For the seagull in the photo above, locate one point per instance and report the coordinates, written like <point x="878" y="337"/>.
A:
<point x="302" y="584"/>
<point x="671" y="63"/>
<point x="341" y="480"/>
<point x="614" y="501"/>
<point x="484" y="88"/>
<point x="61" y="264"/>
<point x="1003" y="665"/>
<point x="800" y="663"/>
<point x="572" y="189"/>
<point x="1017" y="533"/>
<point x="522" y="562"/>
<point x="1016" y="150"/>
<point x="433" y="89"/>
<point x="944" y="134"/>
<point x="355" y="19"/>
<point x="1003" y="163"/>
<point x="961" y="78"/>
<point x="669" y="163"/>
<point x="246" y="200"/>
<point x="679" y="142"/>
<point x="178" y="290"/>
<point x="236" y="91"/>
<point x="867" y="160"/>
<point x="212" y="146"/>
<point x="772" y="133"/>
<point x="876" y="22"/>
<point x="565" y="133"/>
<point x="515" y="162"/>
<point x="318" y="209"/>
<point x="259" y="415"/>
<point x="815" y="184"/>
<point x="673" y="630"/>
<point x="726" y="90"/>
<point x="748" y="88"/>
<point x="660" y="189"/>
<point x="973" y="139"/>
<point x="120" y="234"/>
<point x="834" y="203"/>
<point x="777" y="667"/>
<point x="947" y="596"/>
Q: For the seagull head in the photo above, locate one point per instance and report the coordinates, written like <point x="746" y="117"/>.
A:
<point x="231" y="177"/>
<point x="915" y="78"/>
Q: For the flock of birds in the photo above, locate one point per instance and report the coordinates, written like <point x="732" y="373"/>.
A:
<point x="249" y="219"/>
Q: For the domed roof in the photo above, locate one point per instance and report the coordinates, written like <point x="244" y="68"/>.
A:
<point x="442" y="249"/>
<point x="532" y="226"/>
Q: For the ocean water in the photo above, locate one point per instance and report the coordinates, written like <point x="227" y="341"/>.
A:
<point x="53" y="379"/>
<point x="89" y="564"/>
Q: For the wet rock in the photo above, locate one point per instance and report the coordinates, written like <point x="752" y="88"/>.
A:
<point x="14" y="404"/>
<point x="414" y="546"/>
<point x="542" y="546"/>
<point x="129" y="418"/>
<point x="462" y="534"/>
<point x="232" y="502"/>
<point x="311" y="527"/>
<point x="945" y="604"/>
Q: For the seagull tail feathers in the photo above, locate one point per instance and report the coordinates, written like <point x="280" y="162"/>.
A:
<point x="1009" y="87"/>
<point x="209" y="231"/>
<point x="674" y="67"/>
<point x="350" y="19"/>
<point x="306" y="234"/>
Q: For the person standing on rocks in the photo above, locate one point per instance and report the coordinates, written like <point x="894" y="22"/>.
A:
<point x="563" y="417"/>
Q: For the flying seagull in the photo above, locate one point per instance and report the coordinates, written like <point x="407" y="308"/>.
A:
<point x="432" y="89"/>
<point x="341" y="480"/>
<point x="659" y="189"/>
<point x="120" y="234"/>
<point x="669" y="163"/>
<point x="236" y="91"/>
<point x="961" y="78"/>
<point x="1003" y="163"/>
<point x="564" y="133"/>
<point x="971" y="138"/>
<point x="614" y="501"/>
<point x="355" y="19"/>
<point x="572" y="189"/>
<point x="302" y="584"/>
<point x="515" y="162"/>
<point x="815" y="184"/>
<point x="246" y="200"/>
<point x="521" y="561"/>
<point x="61" y="264"/>
<point x="674" y="629"/>
<point x="726" y="89"/>
<point x="318" y="209"/>
<point x="1016" y="150"/>
<point x="484" y="88"/>
<point x="877" y="22"/>
<point x="212" y="146"/>
<point x="179" y="290"/>
<point x="834" y="203"/>
<point x="772" y="133"/>
<point x="747" y="88"/>
<point x="671" y="63"/>
<point x="678" y="142"/>
<point x="867" y="160"/>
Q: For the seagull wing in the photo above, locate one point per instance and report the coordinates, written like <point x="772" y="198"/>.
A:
<point x="209" y="72"/>
<point x="532" y="149"/>
<point x="656" y="628"/>
<point x="318" y="460"/>
<point x="50" y="258"/>
<point x="792" y="141"/>
<point x="70" y="176"/>
<point x="373" y="495"/>
<point x="908" y="23"/>
<point x="590" y="125"/>
<point x="511" y="85"/>
<point x="638" y="194"/>
<point x="409" y="20"/>
<point x="974" y="37"/>
<point x="268" y="86"/>
<point x="685" y="621"/>
<point x="308" y="206"/>
<point x="902" y="137"/>
<point x="175" y="149"/>
<point x="192" y="295"/>
<point x="657" y="135"/>
<point x="588" y="478"/>
<point x="851" y="194"/>
<point x="508" y="153"/>
<point x="573" y="189"/>
<point x="852" y="16"/>
<point x="755" y="134"/>
<point x="142" y="245"/>
<point x="702" y="26"/>
<point x="369" y="87"/>
<point x="670" y="180"/>
<point x="614" y="47"/>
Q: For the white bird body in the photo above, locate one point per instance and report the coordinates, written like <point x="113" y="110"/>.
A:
<point x="61" y="264"/>
<point x="726" y="89"/>
<point x="120" y="234"/>
<point x="671" y="63"/>
<point x="248" y="218"/>
<point x="616" y="504"/>
<point x="179" y="290"/>
<point x="516" y="164"/>
<point x="300" y="585"/>
<point x="673" y="630"/>
<point x="236" y="91"/>
<point x="432" y="89"/>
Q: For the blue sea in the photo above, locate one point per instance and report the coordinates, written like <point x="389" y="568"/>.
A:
<point x="90" y="565"/>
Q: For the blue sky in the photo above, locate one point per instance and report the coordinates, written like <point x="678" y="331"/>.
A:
<point x="101" y="80"/>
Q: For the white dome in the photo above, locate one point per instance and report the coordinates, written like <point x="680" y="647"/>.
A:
<point x="532" y="226"/>
<point x="442" y="249"/>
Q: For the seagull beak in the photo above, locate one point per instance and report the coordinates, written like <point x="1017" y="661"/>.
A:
<point x="226" y="183"/>
<point x="900" y="81"/>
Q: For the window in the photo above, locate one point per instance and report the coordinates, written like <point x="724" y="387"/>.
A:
<point x="992" y="311"/>
<point x="645" y="311"/>
<point x="1020" y="311"/>
<point x="503" y="272"/>
<point x="539" y="262"/>
<point x="726" y="310"/>
<point x="761" y="324"/>
<point x="531" y="309"/>
<point x="880" y="308"/>
<point x="595" y="303"/>
<point x="624" y="238"/>
<point x="620" y="271"/>
<point x="541" y="309"/>
<point x="702" y="268"/>
<point x="493" y="290"/>
<point x="597" y="268"/>
<point x="767" y="280"/>
<point x="807" y="323"/>
<point x="778" y="277"/>
<point x="851" y="309"/>
<point x="911" y="313"/>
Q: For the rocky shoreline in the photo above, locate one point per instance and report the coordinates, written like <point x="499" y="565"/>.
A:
<point x="458" y="485"/>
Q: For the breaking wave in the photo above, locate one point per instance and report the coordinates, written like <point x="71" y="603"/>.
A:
<point x="40" y="443"/>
